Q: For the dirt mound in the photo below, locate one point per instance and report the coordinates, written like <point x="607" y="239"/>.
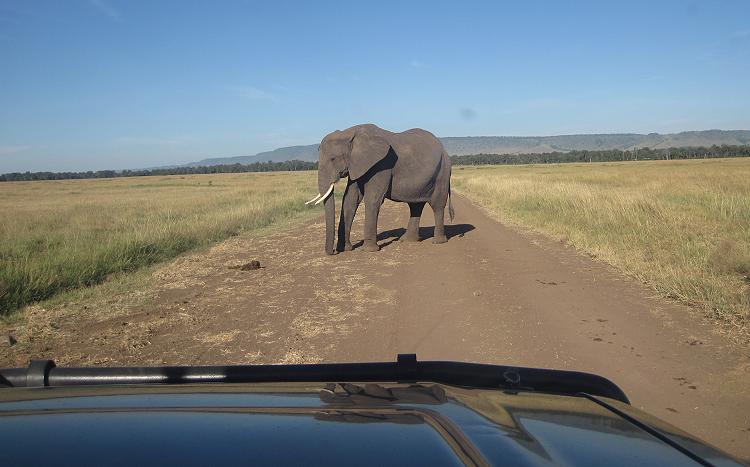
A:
<point x="251" y="266"/>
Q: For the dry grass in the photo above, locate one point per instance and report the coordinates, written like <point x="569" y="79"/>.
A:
<point x="62" y="235"/>
<point x="683" y="227"/>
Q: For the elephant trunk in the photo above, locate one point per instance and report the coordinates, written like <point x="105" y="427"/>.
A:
<point x="330" y="208"/>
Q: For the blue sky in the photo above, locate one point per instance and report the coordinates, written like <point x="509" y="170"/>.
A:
<point x="95" y="84"/>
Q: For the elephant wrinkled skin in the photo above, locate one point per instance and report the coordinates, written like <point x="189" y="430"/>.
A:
<point x="410" y="167"/>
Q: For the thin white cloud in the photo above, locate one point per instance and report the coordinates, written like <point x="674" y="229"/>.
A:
<point x="544" y="102"/>
<point x="146" y="141"/>
<point x="106" y="8"/>
<point x="675" y="124"/>
<point x="10" y="150"/>
<point x="251" y="93"/>
<point x="416" y="64"/>
<point x="655" y="77"/>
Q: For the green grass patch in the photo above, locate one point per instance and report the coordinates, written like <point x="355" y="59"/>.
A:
<point x="58" y="236"/>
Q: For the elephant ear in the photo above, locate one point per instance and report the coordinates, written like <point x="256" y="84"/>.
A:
<point x="367" y="150"/>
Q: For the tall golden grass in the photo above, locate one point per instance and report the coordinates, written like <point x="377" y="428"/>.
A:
<point x="683" y="227"/>
<point x="60" y="235"/>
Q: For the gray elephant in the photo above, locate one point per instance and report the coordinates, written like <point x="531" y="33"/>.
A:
<point x="410" y="167"/>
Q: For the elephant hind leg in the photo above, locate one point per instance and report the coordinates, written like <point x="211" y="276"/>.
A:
<point x="412" y="229"/>
<point x="438" y="208"/>
<point x="439" y="236"/>
<point x="440" y="200"/>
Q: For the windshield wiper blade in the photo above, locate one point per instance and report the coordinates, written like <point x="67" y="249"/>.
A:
<point x="406" y="370"/>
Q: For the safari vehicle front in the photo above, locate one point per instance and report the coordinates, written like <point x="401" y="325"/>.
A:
<point x="408" y="412"/>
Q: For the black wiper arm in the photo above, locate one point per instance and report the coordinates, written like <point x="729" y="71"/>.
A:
<point x="405" y="369"/>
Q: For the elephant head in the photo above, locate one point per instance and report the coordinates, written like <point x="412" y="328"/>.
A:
<point x="351" y="152"/>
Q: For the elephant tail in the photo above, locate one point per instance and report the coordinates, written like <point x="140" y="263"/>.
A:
<point x="451" y="213"/>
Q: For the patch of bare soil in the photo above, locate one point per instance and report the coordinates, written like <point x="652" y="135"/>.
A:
<point x="491" y="294"/>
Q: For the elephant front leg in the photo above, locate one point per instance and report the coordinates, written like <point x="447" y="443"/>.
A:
<point x="349" y="205"/>
<point x="412" y="229"/>
<point x="374" y="190"/>
<point x="372" y="211"/>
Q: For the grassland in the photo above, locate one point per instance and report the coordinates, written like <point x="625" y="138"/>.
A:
<point x="683" y="227"/>
<point x="61" y="235"/>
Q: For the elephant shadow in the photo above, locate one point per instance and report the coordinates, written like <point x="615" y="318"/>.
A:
<point x="387" y="237"/>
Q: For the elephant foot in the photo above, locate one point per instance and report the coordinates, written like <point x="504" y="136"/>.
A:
<point x="344" y="247"/>
<point x="407" y="237"/>
<point x="332" y="252"/>
<point x="439" y="239"/>
<point x="370" y="246"/>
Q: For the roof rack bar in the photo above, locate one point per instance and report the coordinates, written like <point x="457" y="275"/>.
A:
<point x="38" y="372"/>
<point x="406" y="369"/>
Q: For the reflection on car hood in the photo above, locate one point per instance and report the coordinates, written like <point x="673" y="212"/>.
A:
<point x="326" y="424"/>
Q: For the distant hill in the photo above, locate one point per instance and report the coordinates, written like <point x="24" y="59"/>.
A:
<point x="462" y="145"/>
<point x="300" y="153"/>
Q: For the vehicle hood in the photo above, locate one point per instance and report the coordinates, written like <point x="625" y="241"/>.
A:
<point x="324" y="423"/>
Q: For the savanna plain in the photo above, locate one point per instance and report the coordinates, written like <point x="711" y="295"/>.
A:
<point x="637" y="271"/>
<point x="59" y="236"/>
<point x="682" y="227"/>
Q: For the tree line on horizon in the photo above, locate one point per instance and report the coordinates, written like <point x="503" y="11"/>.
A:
<point x="609" y="155"/>
<point x="268" y="166"/>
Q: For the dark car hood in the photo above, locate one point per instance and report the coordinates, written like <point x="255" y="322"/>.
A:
<point x="265" y="424"/>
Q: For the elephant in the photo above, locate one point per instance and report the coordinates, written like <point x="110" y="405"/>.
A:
<point x="410" y="167"/>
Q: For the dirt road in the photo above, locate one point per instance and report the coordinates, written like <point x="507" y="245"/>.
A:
<point x="491" y="294"/>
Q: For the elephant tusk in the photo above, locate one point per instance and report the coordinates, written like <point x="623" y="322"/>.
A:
<point x="322" y="198"/>
<point x="314" y="199"/>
